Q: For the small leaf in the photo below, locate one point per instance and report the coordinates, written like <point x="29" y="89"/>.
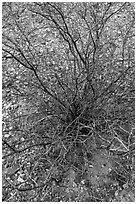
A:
<point x="12" y="170"/>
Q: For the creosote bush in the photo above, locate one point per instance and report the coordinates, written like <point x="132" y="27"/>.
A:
<point x="68" y="102"/>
